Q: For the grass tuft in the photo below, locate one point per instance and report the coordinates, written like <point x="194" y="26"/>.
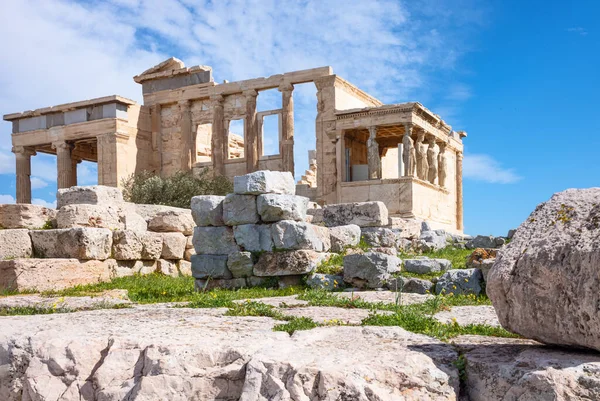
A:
<point x="295" y="324"/>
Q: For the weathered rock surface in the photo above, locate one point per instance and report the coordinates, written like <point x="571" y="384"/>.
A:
<point x="100" y="216"/>
<point x="101" y="300"/>
<point x="240" y="209"/>
<point x="148" y="212"/>
<point x="22" y="215"/>
<point x="329" y="282"/>
<point x="288" y="263"/>
<point x="265" y="182"/>
<point x="275" y="207"/>
<point x="460" y="281"/>
<point x="466" y="315"/>
<point x="485" y="241"/>
<point x="190" y="354"/>
<point x="240" y="264"/>
<point x="51" y="274"/>
<point x="344" y="236"/>
<point x="227" y="284"/>
<point x="133" y="245"/>
<point x="254" y="237"/>
<point x="363" y="214"/>
<point x="76" y="243"/>
<point x="15" y="244"/>
<point x="330" y="315"/>
<point x="544" y="284"/>
<point x="293" y="235"/>
<point x="426" y="265"/>
<point x="370" y="270"/>
<point x="90" y="195"/>
<point x="207" y="210"/>
<point x="179" y="221"/>
<point x="430" y="240"/>
<point x="173" y="245"/>
<point x="410" y="285"/>
<point x="124" y="268"/>
<point x="514" y="369"/>
<point x="379" y="237"/>
<point x="214" y="241"/>
<point x="210" y="266"/>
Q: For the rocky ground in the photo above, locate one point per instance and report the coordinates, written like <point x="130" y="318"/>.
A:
<point x="166" y="351"/>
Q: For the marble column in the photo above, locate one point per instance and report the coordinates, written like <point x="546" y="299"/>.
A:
<point x="442" y="165"/>
<point x="218" y="140"/>
<point x="459" y="191"/>
<point x="74" y="162"/>
<point x="23" y="160"/>
<point x="186" y="135"/>
<point x="251" y="132"/>
<point x="155" y="123"/>
<point x="373" y="159"/>
<point x="409" y="155"/>
<point x="287" y="127"/>
<point x="421" y="151"/>
<point x="63" y="163"/>
<point x="432" y="160"/>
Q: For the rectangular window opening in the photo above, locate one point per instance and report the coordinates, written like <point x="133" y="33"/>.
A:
<point x="235" y="136"/>
<point x="271" y="134"/>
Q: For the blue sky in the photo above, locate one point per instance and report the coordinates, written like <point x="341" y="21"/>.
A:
<point x="520" y="77"/>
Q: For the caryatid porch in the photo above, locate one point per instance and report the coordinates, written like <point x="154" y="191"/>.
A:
<point x="405" y="156"/>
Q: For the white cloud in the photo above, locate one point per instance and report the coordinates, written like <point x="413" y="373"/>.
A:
<point x="481" y="167"/>
<point x="7" y="199"/>
<point x="37" y="183"/>
<point x="41" y="202"/>
<point x="579" y="30"/>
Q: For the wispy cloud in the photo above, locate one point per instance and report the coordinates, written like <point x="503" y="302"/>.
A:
<point x="37" y="183"/>
<point x="578" y="30"/>
<point x="482" y="167"/>
<point x="4" y="198"/>
<point x="42" y="202"/>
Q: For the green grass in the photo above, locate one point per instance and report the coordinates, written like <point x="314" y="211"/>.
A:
<point x="253" y="308"/>
<point x="333" y="265"/>
<point x="48" y="310"/>
<point x="458" y="258"/>
<point x="296" y="323"/>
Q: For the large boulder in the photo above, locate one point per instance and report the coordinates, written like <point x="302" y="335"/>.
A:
<point x="460" y="281"/>
<point x="343" y="237"/>
<point x="23" y="215"/>
<point x="425" y="265"/>
<point x="433" y="240"/>
<point x="363" y="214"/>
<point x="15" y="244"/>
<point x="90" y="195"/>
<point x="485" y="241"/>
<point x="544" y="284"/>
<point x="254" y="237"/>
<point x="371" y="269"/>
<point x="240" y="209"/>
<point x="240" y="264"/>
<point x="173" y="245"/>
<point x="378" y="237"/>
<point x="207" y="210"/>
<point x="74" y="243"/>
<point x="101" y="216"/>
<point x="177" y="221"/>
<point x="328" y="282"/>
<point x="291" y="235"/>
<point x="214" y="241"/>
<point x="50" y="274"/>
<point x="276" y="207"/>
<point x="265" y="182"/>
<point x="288" y="263"/>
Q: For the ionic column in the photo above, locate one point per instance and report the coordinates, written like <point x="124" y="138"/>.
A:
<point x="155" y="123"/>
<point x="286" y="147"/>
<point x="251" y="132"/>
<point x="23" y="164"/>
<point x="186" y="135"/>
<point x="218" y="140"/>
<point x="373" y="159"/>
<point x="63" y="163"/>
<point x="459" y="192"/>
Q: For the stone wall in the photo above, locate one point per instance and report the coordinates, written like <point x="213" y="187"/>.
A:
<point x="93" y="236"/>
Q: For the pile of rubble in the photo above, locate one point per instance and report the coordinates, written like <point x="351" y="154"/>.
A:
<point x="93" y="236"/>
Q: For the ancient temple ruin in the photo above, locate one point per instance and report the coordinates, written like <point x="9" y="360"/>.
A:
<point x="401" y="154"/>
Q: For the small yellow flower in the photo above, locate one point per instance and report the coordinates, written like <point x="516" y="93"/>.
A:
<point x="335" y="282"/>
<point x="454" y="287"/>
<point x="164" y="293"/>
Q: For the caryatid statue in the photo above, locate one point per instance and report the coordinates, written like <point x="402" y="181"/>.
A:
<point x="442" y="165"/>
<point x="432" y="160"/>
<point x="422" y="165"/>
<point x="408" y="154"/>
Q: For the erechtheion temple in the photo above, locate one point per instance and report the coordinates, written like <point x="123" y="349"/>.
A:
<point x="401" y="154"/>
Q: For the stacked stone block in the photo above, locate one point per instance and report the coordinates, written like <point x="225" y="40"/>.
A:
<point x="255" y="233"/>
<point x="43" y="249"/>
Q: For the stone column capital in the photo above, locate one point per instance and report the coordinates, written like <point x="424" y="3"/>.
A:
<point x="250" y="93"/>
<point x="62" y="145"/>
<point x="285" y="87"/>
<point x="408" y="129"/>
<point x="23" y="151"/>
<point x="372" y="130"/>
<point x="459" y="156"/>
<point x="217" y="100"/>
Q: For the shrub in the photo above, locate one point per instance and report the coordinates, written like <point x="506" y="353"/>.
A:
<point x="176" y="190"/>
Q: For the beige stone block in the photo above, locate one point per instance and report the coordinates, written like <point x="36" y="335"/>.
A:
<point x="168" y="267"/>
<point x="185" y="267"/>
<point x="134" y="245"/>
<point x="173" y="245"/>
<point x="51" y="274"/>
<point x="15" y="244"/>
<point x="23" y="215"/>
<point x="100" y="216"/>
<point x="180" y="221"/>
<point x="91" y="195"/>
<point x="76" y="243"/>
